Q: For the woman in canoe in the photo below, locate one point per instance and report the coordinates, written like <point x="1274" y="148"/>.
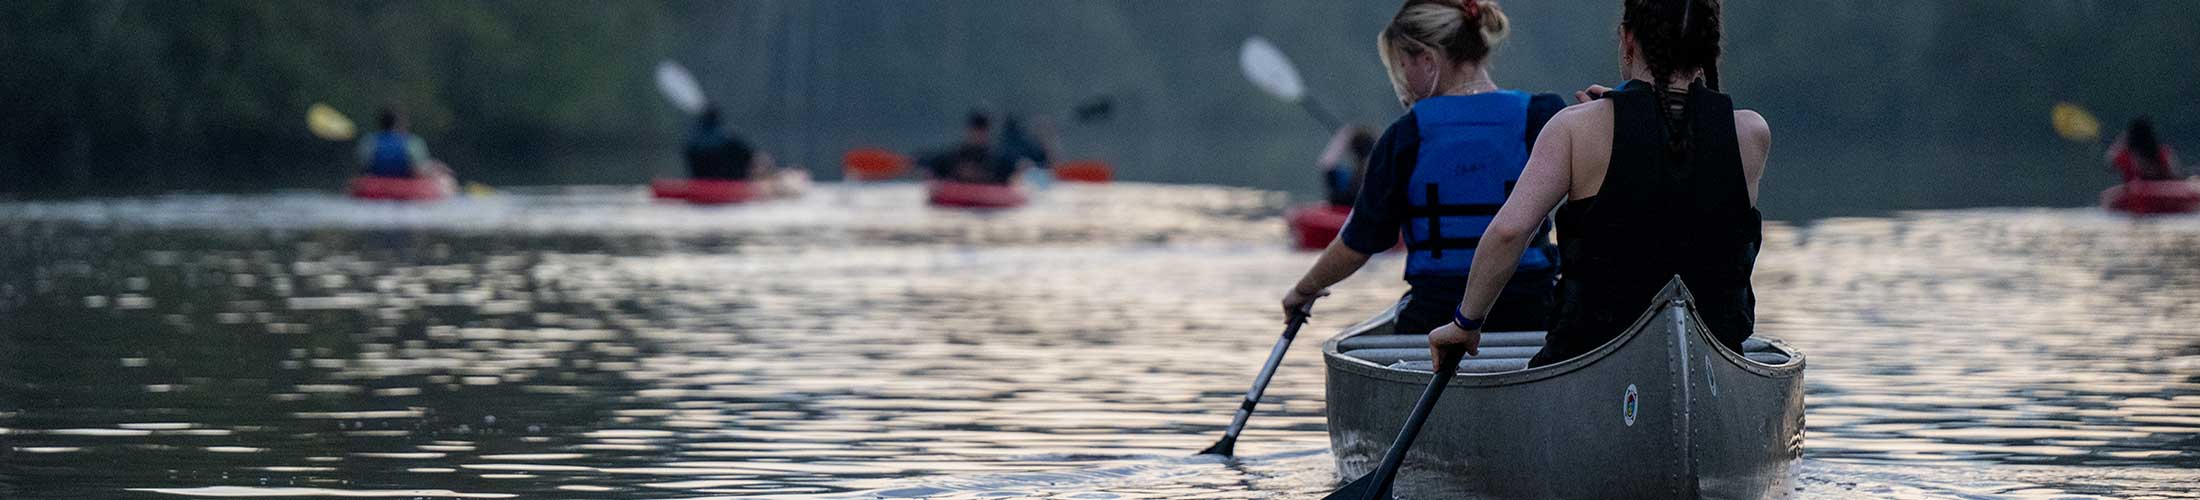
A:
<point x="1659" y="178"/>
<point x="1440" y="172"/>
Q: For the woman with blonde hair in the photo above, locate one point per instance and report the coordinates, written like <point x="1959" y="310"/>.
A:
<point x="1440" y="172"/>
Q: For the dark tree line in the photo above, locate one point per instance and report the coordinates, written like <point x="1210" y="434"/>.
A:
<point x="1857" y="89"/>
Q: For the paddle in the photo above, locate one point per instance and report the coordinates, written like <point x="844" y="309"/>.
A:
<point x="1228" y="444"/>
<point x="2075" y="124"/>
<point x="1097" y="108"/>
<point x="1270" y="70"/>
<point x="329" y="124"/>
<point x="1377" y="485"/>
<point x="871" y="163"/>
<point x="680" y="87"/>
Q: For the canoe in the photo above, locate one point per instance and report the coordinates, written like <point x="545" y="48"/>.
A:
<point x="1663" y="411"/>
<point x="2152" y="197"/>
<point x="1314" y="225"/>
<point x="706" y="191"/>
<point x="975" y="195"/>
<point x="369" y="187"/>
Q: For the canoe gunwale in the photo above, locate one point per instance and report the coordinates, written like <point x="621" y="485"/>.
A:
<point x="1674" y="295"/>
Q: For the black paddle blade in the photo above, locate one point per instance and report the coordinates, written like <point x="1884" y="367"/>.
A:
<point x="1364" y="488"/>
<point x="1097" y="108"/>
<point x="1226" y="447"/>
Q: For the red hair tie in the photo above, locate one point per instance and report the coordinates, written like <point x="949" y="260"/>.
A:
<point x="1473" y="8"/>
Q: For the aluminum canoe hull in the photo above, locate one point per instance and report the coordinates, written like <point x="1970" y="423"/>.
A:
<point x="1663" y="411"/>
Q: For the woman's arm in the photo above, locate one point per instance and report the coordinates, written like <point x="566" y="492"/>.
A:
<point x="1542" y="185"/>
<point x="1336" y="263"/>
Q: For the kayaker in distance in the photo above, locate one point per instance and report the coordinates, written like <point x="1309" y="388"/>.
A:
<point x="2152" y="184"/>
<point x="716" y="154"/>
<point x="1659" y="178"/>
<point x="393" y="151"/>
<point x="1344" y="163"/>
<point x="978" y="159"/>
<point x="1441" y="171"/>
<point x="2140" y="156"/>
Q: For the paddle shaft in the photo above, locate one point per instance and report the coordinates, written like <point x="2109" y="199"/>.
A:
<point x="1377" y="485"/>
<point x="1291" y="326"/>
<point x="1321" y="114"/>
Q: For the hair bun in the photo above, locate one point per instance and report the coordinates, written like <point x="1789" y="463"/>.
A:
<point x="1488" y="18"/>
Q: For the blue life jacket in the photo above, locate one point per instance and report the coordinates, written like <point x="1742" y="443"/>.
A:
<point x="392" y="155"/>
<point x="1472" y="152"/>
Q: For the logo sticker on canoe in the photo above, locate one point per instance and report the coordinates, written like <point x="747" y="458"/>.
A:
<point x="1629" y="405"/>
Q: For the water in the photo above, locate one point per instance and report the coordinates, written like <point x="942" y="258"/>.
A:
<point x="585" y="343"/>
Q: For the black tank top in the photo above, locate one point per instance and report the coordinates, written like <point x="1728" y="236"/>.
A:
<point x="1658" y="215"/>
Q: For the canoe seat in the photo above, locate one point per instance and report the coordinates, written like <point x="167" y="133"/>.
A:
<point x="1479" y="365"/>
<point x="1420" y="353"/>
<point x="1501" y="351"/>
<point x="1767" y="357"/>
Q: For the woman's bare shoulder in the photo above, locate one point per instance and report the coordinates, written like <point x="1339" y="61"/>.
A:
<point x="1752" y="127"/>
<point x="1754" y="135"/>
<point x="1597" y="109"/>
<point x="1588" y="117"/>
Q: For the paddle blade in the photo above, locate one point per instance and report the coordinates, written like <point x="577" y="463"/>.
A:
<point x="2075" y="124"/>
<point x="1225" y="447"/>
<point x="1267" y="67"/>
<point x="327" y="123"/>
<point x="680" y="87"/>
<point x="1095" y="109"/>
<point x="873" y="164"/>
<point x="1092" y="171"/>
<point x="1364" y="488"/>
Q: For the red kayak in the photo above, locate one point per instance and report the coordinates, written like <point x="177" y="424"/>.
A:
<point x="401" y="188"/>
<point x="976" y="195"/>
<point x="706" y="191"/>
<point x="1314" y="225"/>
<point x="2152" y="197"/>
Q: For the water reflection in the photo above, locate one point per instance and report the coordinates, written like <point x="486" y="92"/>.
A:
<point x="581" y="342"/>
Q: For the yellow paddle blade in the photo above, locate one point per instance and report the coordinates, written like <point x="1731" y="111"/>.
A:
<point x="477" y="190"/>
<point x="2074" y="123"/>
<point x="327" y="123"/>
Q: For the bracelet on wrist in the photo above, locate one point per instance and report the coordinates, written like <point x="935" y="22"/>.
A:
<point x="1463" y="322"/>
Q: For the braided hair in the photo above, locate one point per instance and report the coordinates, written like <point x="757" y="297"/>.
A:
<point x="1675" y="37"/>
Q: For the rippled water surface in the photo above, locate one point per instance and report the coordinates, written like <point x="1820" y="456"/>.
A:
<point x="586" y="343"/>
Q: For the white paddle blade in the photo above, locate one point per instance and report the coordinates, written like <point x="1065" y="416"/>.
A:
<point x="679" y="87"/>
<point x="1267" y="67"/>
